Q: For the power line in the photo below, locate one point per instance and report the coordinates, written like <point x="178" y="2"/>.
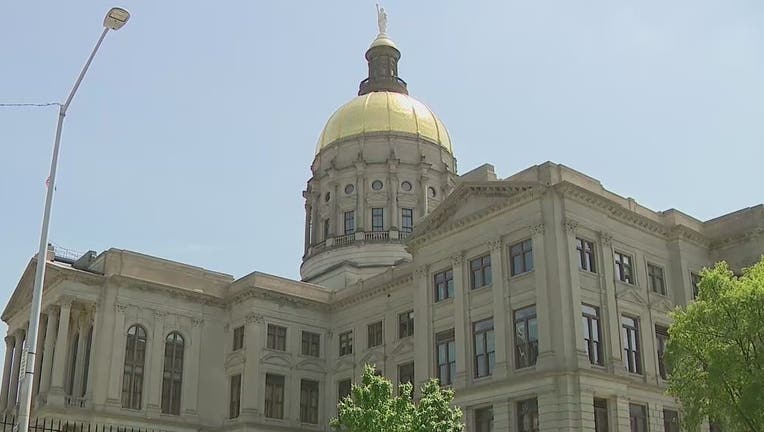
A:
<point x="9" y="105"/>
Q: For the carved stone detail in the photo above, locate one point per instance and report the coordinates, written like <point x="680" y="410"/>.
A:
<point x="495" y="245"/>
<point x="537" y="230"/>
<point x="421" y="271"/>
<point x="570" y="225"/>
<point x="196" y="322"/>
<point x="254" y="318"/>
<point x="607" y="238"/>
<point x="457" y="259"/>
<point x="120" y="307"/>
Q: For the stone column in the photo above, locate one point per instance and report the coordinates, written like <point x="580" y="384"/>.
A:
<point x="190" y="391"/>
<point x="423" y="337"/>
<point x="82" y="342"/>
<point x="10" y="343"/>
<point x="360" y="187"/>
<point x="543" y="311"/>
<point x="39" y="356"/>
<point x="155" y="364"/>
<point x="13" y="390"/>
<point x="611" y="320"/>
<point x="114" y="394"/>
<point x="499" y="309"/>
<point x="579" y="358"/>
<point x="48" y="350"/>
<point x="90" y="373"/>
<point x="59" y="360"/>
<point x="461" y="321"/>
<point x="252" y="386"/>
<point x="308" y="217"/>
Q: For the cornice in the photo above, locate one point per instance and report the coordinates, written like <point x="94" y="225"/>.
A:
<point x="143" y="285"/>
<point x="374" y="290"/>
<point x="740" y="238"/>
<point x="254" y="292"/>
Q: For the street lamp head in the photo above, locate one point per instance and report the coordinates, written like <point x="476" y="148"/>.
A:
<point x="116" y="18"/>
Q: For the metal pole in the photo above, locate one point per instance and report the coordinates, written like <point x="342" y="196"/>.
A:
<point x="25" y="394"/>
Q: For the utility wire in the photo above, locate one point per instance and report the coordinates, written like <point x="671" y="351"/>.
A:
<point x="7" y="105"/>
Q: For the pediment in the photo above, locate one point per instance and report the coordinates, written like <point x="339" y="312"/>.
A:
<point x="403" y="347"/>
<point x="344" y="363"/>
<point x="630" y="294"/>
<point x="471" y="201"/>
<point x="374" y="357"/>
<point x="662" y="304"/>
<point x="234" y="359"/>
<point x="276" y="359"/>
<point x="312" y="365"/>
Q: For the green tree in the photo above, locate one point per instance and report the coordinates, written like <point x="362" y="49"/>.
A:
<point x="716" y="351"/>
<point x="372" y="407"/>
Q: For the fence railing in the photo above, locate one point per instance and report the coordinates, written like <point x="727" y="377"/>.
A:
<point x="9" y="424"/>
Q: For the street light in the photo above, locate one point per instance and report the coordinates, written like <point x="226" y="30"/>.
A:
<point x="114" y="20"/>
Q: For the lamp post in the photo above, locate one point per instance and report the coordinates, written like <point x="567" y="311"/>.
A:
<point x="114" y="20"/>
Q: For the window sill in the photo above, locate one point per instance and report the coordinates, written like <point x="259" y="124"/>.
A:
<point x="307" y="356"/>
<point x="522" y="275"/>
<point x="626" y="284"/>
<point x="588" y="273"/>
<point x="482" y="379"/>
<point x="480" y="288"/>
<point x="445" y="301"/>
<point x="525" y="369"/>
<point x="274" y="350"/>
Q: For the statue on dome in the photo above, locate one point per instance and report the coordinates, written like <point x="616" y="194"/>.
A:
<point x="381" y="20"/>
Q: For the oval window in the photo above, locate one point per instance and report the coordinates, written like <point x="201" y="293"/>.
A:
<point x="406" y="186"/>
<point x="376" y="185"/>
<point x="431" y="191"/>
<point x="349" y="189"/>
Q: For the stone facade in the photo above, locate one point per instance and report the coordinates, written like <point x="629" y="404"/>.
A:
<point x="539" y="298"/>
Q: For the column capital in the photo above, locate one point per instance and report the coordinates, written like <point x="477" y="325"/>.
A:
<point x="570" y="225"/>
<point x="421" y="271"/>
<point x="65" y="301"/>
<point x="254" y="318"/>
<point x="52" y="308"/>
<point x="606" y="237"/>
<point x="537" y="230"/>
<point x="495" y="245"/>
<point x="20" y="332"/>
<point x="457" y="259"/>
<point x="10" y="340"/>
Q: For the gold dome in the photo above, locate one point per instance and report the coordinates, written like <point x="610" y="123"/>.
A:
<point x="384" y="112"/>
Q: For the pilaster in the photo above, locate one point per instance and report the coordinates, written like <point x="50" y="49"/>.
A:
<point x="10" y="343"/>
<point x="14" y="384"/>
<point x="610" y="306"/>
<point x="252" y="397"/>
<point x="461" y="320"/>
<point x="422" y="328"/>
<point x="579" y="358"/>
<point x="154" y="357"/>
<point x="189" y="401"/>
<point x="48" y="350"/>
<point x="79" y="367"/>
<point x="499" y="309"/>
<point x="114" y="395"/>
<point x="543" y="311"/>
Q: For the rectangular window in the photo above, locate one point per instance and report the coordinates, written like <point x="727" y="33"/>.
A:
<point x="484" y="419"/>
<point x="238" y="338"/>
<point x="670" y="421"/>
<point x="695" y="281"/>
<point x="585" y="250"/>
<point x="406" y="373"/>
<point x="632" y="357"/>
<point x="311" y="344"/>
<point x="349" y="222"/>
<point x="637" y="418"/>
<point x="444" y="285"/>
<point x="309" y="401"/>
<point x="592" y="333"/>
<point x="526" y="337"/>
<point x="344" y="389"/>
<point x="234" y="401"/>
<point x="445" y="351"/>
<point x="655" y="279"/>
<point x="480" y="272"/>
<point x="276" y="337"/>
<point x="528" y="415"/>
<point x="375" y="334"/>
<point x="521" y="257"/>
<point x="326" y="229"/>
<point x="407" y="220"/>
<point x="482" y="335"/>
<point x="661" y="339"/>
<point x="346" y="343"/>
<point x="377" y="219"/>
<point x="406" y="324"/>
<point x="274" y="396"/>
<point x="600" y="415"/>
<point x="623" y="268"/>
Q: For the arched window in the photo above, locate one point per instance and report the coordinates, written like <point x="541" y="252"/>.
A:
<point x="172" y="377"/>
<point x="135" y="358"/>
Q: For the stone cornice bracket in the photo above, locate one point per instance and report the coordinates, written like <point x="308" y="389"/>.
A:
<point x="570" y="225"/>
<point x="537" y="230"/>
<point x="495" y="245"/>
<point x="254" y="318"/>
<point x="606" y="238"/>
<point x="457" y="259"/>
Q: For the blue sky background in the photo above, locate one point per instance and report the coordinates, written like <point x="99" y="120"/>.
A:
<point x="193" y="133"/>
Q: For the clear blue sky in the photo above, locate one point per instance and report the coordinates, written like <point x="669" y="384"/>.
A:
<point x="193" y="133"/>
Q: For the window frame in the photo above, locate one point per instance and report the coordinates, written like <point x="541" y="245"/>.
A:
<point x="132" y="396"/>
<point x="483" y="418"/>
<point x="483" y="337"/>
<point x="341" y="387"/>
<point x="276" y="340"/>
<point x="661" y="341"/>
<point x="445" y="338"/>
<point x="238" y="338"/>
<point x="481" y="266"/>
<point x="407" y="228"/>
<point x="345" y="343"/>
<point x="624" y="267"/>
<point x="641" y="417"/>
<point x="310" y="344"/>
<point x="632" y="354"/>
<point x="274" y="388"/>
<point x="655" y="274"/>
<point x="668" y="424"/>
<point x="587" y="259"/>
<point x="172" y="385"/>
<point x="526" y="317"/>
<point x="375" y="335"/>
<point x="406" y="324"/>
<point x="521" y="257"/>
<point x="234" y="396"/>
<point x="594" y="346"/>
<point x="530" y="407"/>
<point x="377" y="219"/>
<point x="694" y="284"/>
<point x="349" y="222"/>
<point x="443" y="284"/>
<point x="401" y="376"/>
<point x="310" y="395"/>
<point x="601" y="417"/>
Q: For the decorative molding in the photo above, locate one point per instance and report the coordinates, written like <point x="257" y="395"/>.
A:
<point x="254" y="318"/>
<point x="421" y="271"/>
<point x="120" y="307"/>
<point x="607" y="238"/>
<point x="65" y="300"/>
<point x="537" y="230"/>
<point x="457" y="260"/>
<point x="495" y="245"/>
<point x="570" y="225"/>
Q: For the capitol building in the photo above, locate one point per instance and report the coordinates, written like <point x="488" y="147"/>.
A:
<point x="542" y="299"/>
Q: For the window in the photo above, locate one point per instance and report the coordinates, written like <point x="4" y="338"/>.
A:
<point x="406" y="373"/>
<point x="623" y="268"/>
<point x="406" y="186"/>
<point x="344" y="389"/>
<point x="661" y="339"/>
<point x="346" y="343"/>
<point x="585" y="250"/>
<point x="600" y="415"/>
<point x="445" y="351"/>
<point x="234" y="401"/>
<point x="444" y="285"/>
<point x="526" y="337"/>
<point x="375" y="334"/>
<point x="349" y="222"/>
<point x="376" y="185"/>
<point x="528" y="415"/>
<point x="274" y="396"/>
<point x="637" y="418"/>
<point x="326" y="229"/>
<point x="631" y="358"/>
<point x="276" y="337"/>
<point x="521" y="257"/>
<point x="655" y="279"/>
<point x="670" y="421"/>
<point x="172" y="376"/>
<point x="407" y="220"/>
<point x="88" y="347"/>
<point x="592" y="331"/>
<point x="238" y="338"/>
<point x="482" y="332"/>
<point x="311" y="344"/>
<point x="132" y="375"/>
<point x="695" y="281"/>
<point x="480" y="272"/>
<point x="484" y="419"/>
<point x="406" y="324"/>
<point x="349" y="188"/>
<point x="72" y="364"/>
<point x="309" y="401"/>
<point x="377" y="219"/>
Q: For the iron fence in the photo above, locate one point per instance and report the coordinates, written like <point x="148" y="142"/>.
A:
<point x="52" y="425"/>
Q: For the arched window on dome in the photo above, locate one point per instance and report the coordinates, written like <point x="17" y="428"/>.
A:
<point x="172" y="377"/>
<point x="132" y="375"/>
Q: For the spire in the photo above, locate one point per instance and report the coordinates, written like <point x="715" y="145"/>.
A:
<point x="382" y="57"/>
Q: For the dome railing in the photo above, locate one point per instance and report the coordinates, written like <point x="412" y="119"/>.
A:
<point x="358" y="238"/>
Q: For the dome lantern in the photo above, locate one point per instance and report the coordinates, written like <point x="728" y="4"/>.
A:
<point x="382" y="57"/>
